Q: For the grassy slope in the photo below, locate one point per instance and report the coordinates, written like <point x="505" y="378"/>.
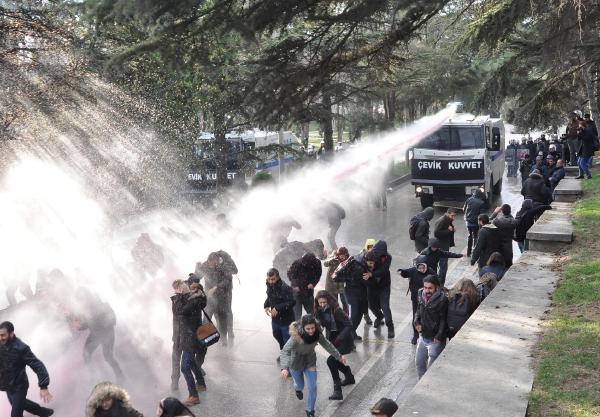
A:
<point x="568" y="376"/>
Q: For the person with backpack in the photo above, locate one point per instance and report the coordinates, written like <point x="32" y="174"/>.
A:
<point x="444" y="232"/>
<point x="473" y="207"/>
<point x="433" y="255"/>
<point x="415" y="276"/>
<point x="418" y="228"/>
<point x="463" y="300"/>
<point x="487" y="282"/>
<point x="430" y="322"/>
<point x="338" y="329"/>
<point x="488" y="241"/>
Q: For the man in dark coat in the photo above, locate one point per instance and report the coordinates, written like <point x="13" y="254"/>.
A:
<point x="526" y="218"/>
<point x="534" y="188"/>
<point x="422" y="232"/>
<point x="506" y="225"/>
<point x="415" y="276"/>
<point x="444" y="232"/>
<point x="378" y="279"/>
<point x="573" y="139"/>
<point x="488" y="241"/>
<point x="218" y="272"/>
<point x="304" y="275"/>
<point x="285" y="256"/>
<point x="177" y="303"/>
<point x="434" y="254"/>
<point x="474" y="206"/>
<point x="430" y="322"/>
<point x="525" y="168"/>
<point x="14" y="357"/>
<point x="586" y="149"/>
<point x="279" y="305"/>
<point x="351" y="273"/>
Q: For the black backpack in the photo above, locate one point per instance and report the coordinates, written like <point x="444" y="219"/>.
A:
<point x="484" y="290"/>
<point x="412" y="226"/>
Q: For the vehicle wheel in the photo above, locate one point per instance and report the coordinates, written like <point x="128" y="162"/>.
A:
<point x="426" y="201"/>
<point x="498" y="187"/>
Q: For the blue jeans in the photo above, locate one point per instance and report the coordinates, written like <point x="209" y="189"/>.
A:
<point x="20" y="403"/>
<point x="311" y="379"/>
<point x="427" y="353"/>
<point x="584" y="165"/>
<point x="189" y="368"/>
<point x="281" y="332"/>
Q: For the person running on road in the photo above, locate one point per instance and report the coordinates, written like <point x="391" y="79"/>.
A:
<point x="14" y="357"/>
<point x="279" y="305"/>
<point x="422" y="229"/>
<point x="338" y="328"/>
<point x="379" y="285"/>
<point x="430" y="322"/>
<point x="415" y="276"/>
<point x="369" y="243"/>
<point x="433" y="255"/>
<point x="351" y="273"/>
<point x="299" y="359"/>
<point x="444" y="232"/>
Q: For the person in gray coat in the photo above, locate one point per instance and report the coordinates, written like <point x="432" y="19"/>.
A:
<point x="299" y="359"/>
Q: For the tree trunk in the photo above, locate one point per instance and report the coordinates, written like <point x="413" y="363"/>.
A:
<point x="390" y="108"/>
<point x="327" y="122"/>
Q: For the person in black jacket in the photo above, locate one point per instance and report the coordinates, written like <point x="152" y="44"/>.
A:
<point x="444" y="232"/>
<point x="434" y="255"/>
<point x="218" y="271"/>
<point x="474" y="206"/>
<point x="279" y="305"/>
<point x="338" y="329"/>
<point x="14" y="357"/>
<point x="586" y="149"/>
<point x="193" y="351"/>
<point x="534" y="188"/>
<point x="506" y="224"/>
<point x="378" y="279"/>
<point x="351" y="273"/>
<point x="488" y="241"/>
<point x="430" y="322"/>
<point x="422" y="232"/>
<point x="304" y="275"/>
<point x="415" y="276"/>
<point x="526" y="218"/>
<point x="177" y="301"/>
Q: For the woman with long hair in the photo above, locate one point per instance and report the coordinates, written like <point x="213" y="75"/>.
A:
<point x="299" y="359"/>
<point x="338" y="329"/>
<point x="495" y="265"/>
<point x="463" y="299"/>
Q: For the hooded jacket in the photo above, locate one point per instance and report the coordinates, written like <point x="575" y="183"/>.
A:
<point x="432" y="315"/>
<point x="526" y="217"/>
<point x="506" y="225"/>
<point x="220" y="277"/>
<point x="191" y="312"/>
<point x="534" y="188"/>
<point x="422" y="232"/>
<point x="338" y="328"/>
<point x="441" y="232"/>
<point x="298" y="355"/>
<point x="304" y="271"/>
<point x="281" y="297"/>
<point x="488" y="241"/>
<point x="433" y="256"/>
<point x="121" y="402"/>
<point x="14" y="357"/>
<point x="474" y="206"/>
<point x="415" y="279"/>
<point x="381" y="273"/>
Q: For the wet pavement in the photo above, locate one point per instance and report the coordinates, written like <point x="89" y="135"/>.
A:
<point x="243" y="377"/>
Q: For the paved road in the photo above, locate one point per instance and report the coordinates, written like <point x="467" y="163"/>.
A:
<point x="243" y="377"/>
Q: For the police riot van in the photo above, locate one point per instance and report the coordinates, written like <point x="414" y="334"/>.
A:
<point x="465" y="154"/>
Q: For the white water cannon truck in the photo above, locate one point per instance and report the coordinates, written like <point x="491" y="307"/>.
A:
<point x="464" y="155"/>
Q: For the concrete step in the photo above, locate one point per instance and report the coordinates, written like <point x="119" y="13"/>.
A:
<point x="571" y="171"/>
<point x="552" y="231"/>
<point x="568" y="190"/>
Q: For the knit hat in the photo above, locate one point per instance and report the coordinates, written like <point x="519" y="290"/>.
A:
<point x="384" y="406"/>
<point x="369" y="242"/>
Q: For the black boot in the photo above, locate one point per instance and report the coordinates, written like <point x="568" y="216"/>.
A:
<point x="367" y="319"/>
<point x="415" y="338"/>
<point x="310" y="413"/>
<point x="377" y="323"/>
<point x="348" y="378"/>
<point x="299" y="395"/>
<point x="391" y="333"/>
<point x="337" y="391"/>
<point x="46" y="412"/>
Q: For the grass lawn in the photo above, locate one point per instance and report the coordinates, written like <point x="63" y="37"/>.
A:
<point x="567" y="381"/>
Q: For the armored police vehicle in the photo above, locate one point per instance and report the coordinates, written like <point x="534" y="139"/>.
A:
<point x="466" y="154"/>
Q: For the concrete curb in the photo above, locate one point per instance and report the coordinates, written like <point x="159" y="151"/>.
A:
<point x="399" y="181"/>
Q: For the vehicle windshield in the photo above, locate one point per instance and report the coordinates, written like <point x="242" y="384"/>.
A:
<point x="452" y="138"/>
<point x="205" y="151"/>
